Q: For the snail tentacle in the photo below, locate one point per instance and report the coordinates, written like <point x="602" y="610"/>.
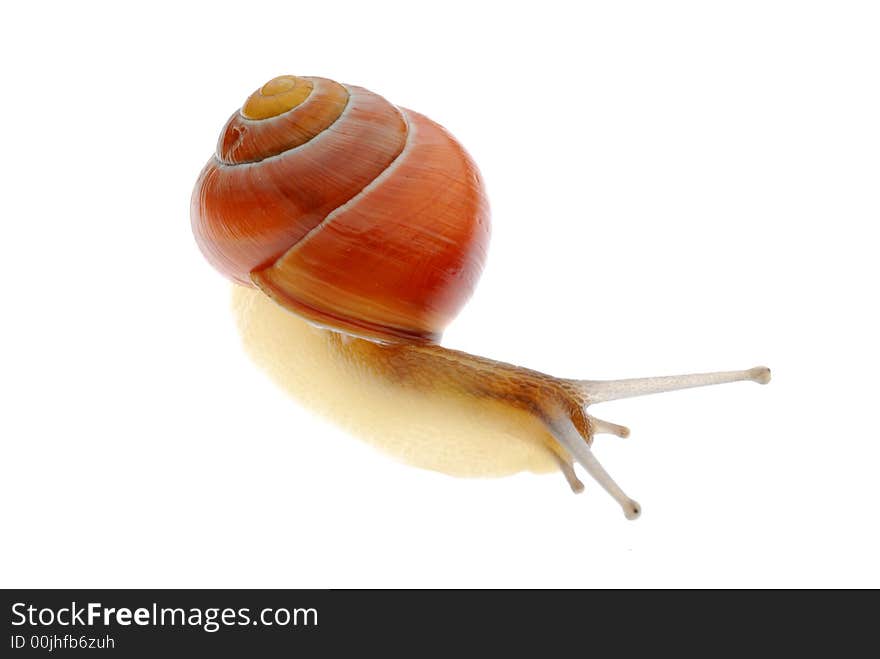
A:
<point x="567" y="434"/>
<point x="600" y="427"/>
<point x="600" y="391"/>
<point x="567" y="468"/>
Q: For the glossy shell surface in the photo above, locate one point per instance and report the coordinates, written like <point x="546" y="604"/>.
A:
<point x="347" y="210"/>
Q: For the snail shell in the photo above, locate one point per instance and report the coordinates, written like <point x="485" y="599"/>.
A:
<point x="356" y="214"/>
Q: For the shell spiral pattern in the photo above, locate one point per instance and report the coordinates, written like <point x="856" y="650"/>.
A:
<point x="354" y="213"/>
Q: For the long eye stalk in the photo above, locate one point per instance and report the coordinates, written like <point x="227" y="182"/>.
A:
<point x="599" y="391"/>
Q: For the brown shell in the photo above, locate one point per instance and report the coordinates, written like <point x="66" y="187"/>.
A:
<point x="347" y="210"/>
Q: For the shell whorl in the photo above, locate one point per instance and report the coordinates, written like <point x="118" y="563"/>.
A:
<point x="354" y="213"/>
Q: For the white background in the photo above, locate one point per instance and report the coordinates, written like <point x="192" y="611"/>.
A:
<point x="676" y="186"/>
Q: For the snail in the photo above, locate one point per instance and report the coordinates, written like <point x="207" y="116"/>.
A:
<point x="355" y="231"/>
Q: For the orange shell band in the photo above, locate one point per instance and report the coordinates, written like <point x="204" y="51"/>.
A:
<point x="246" y="140"/>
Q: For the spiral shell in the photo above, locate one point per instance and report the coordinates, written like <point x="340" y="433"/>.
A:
<point x="356" y="214"/>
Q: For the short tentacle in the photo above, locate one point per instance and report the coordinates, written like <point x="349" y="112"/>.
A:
<point x="567" y="469"/>
<point x="600" y="427"/>
<point x="568" y="436"/>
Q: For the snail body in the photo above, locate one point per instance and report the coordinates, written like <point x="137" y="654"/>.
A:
<point x="371" y="223"/>
<point x="381" y="394"/>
